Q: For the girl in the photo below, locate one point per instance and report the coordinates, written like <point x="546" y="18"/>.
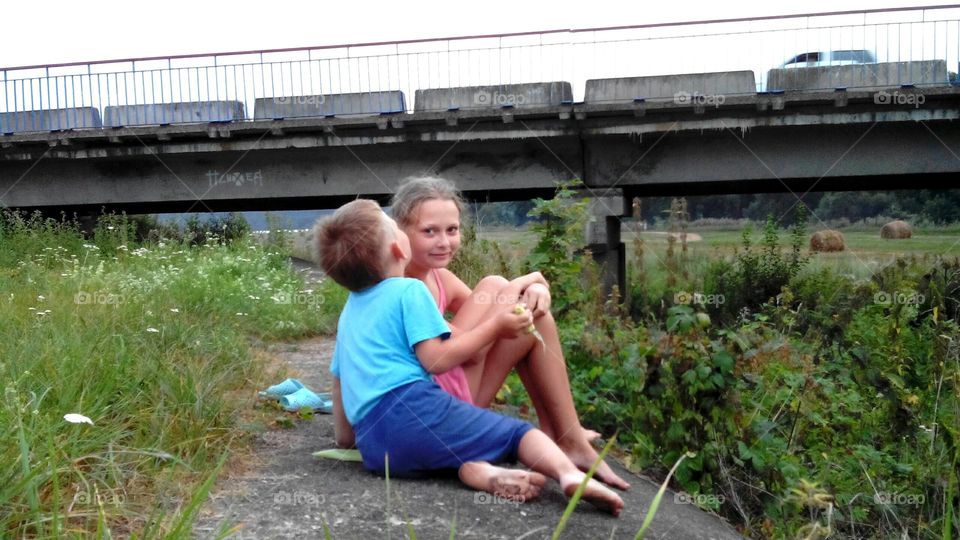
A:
<point x="428" y="210"/>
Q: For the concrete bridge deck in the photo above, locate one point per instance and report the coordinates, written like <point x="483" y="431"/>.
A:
<point x="746" y="143"/>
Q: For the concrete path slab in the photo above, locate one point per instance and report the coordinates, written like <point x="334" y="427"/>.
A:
<point x="289" y="493"/>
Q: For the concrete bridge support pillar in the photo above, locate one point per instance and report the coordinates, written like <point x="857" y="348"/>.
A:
<point x="88" y="223"/>
<point x="603" y="240"/>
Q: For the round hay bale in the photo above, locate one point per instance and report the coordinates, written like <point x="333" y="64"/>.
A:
<point x="896" y="230"/>
<point x="826" y="241"/>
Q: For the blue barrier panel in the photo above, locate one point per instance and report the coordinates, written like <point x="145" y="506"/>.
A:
<point x="680" y="88"/>
<point x="865" y="76"/>
<point x="319" y="105"/>
<point x="173" y="113"/>
<point x="519" y="96"/>
<point x="50" y="120"/>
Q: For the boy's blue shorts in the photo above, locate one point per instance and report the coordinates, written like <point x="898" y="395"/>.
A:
<point x="424" y="429"/>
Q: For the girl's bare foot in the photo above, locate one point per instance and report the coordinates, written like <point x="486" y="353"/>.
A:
<point x="583" y="457"/>
<point x="590" y="435"/>
<point x="595" y="493"/>
<point x="513" y="484"/>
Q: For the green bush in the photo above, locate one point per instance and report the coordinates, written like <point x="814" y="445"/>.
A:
<point x="478" y="258"/>
<point x="755" y="277"/>
<point x="559" y="253"/>
<point x="816" y="404"/>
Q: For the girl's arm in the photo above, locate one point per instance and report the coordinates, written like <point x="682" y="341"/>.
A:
<point x="457" y="291"/>
<point x="342" y="430"/>
<point x="439" y="355"/>
<point x="523" y="282"/>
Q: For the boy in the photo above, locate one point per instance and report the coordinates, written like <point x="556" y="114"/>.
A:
<point x="390" y="337"/>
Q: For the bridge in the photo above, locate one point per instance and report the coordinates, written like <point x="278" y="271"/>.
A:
<point x="826" y="101"/>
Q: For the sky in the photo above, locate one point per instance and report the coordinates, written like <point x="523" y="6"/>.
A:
<point x="67" y="31"/>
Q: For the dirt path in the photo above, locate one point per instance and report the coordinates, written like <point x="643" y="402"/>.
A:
<point x="287" y="493"/>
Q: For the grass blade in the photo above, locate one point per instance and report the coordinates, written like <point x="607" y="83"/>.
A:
<point x="200" y="495"/>
<point x="339" y="454"/>
<point x="656" y="499"/>
<point x="386" y="470"/>
<point x="948" y="515"/>
<point x="579" y="492"/>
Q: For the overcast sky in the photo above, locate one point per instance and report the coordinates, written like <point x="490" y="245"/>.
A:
<point x="66" y="31"/>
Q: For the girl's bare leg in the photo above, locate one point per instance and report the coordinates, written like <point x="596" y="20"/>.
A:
<point x="547" y="378"/>
<point x="542" y="369"/>
<point x="541" y="454"/>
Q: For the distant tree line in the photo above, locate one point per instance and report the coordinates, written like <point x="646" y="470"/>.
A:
<point x="936" y="207"/>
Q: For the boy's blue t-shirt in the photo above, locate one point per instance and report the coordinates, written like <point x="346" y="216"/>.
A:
<point x="375" y="337"/>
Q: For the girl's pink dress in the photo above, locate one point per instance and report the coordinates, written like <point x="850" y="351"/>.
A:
<point x="454" y="381"/>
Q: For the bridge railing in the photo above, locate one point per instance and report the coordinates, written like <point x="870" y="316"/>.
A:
<point x="861" y="49"/>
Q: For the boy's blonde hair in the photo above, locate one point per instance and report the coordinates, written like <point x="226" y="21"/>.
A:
<point x="414" y="191"/>
<point x="350" y="244"/>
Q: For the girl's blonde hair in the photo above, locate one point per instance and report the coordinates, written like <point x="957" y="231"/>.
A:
<point x="414" y="191"/>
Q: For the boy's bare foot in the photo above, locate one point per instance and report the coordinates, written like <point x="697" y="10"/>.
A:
<point x="583" y="457"/>
<point x="595" y="493"/>
<point x="513" y="484"/>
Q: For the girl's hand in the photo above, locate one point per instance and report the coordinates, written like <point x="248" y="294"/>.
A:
<point x="514" y="322"/>
<point x="537" y="299"/>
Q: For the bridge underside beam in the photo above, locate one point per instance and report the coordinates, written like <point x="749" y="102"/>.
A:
<point x="290" y="178"/>
<point x="772" y="160"/>
<point x="516" y="166"/>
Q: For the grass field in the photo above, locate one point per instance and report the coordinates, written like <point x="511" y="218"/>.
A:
<point x="865" y="253"/>
<point x="154" y="345"/>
